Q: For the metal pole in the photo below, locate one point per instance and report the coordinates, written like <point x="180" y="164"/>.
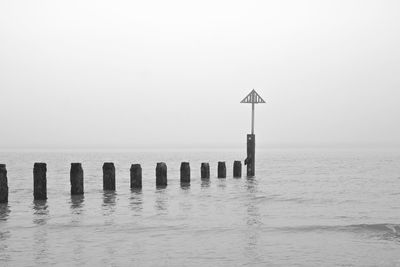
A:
<point x="252" y="118"/>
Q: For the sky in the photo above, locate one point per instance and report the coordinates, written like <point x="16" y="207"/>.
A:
<point x="126" y="74"/>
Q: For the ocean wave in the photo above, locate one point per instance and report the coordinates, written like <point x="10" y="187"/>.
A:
<point x="384" y="230"/>
<point x="385" y="227"/>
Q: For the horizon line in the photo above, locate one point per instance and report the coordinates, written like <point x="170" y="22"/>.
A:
<point x="208" y="146"/>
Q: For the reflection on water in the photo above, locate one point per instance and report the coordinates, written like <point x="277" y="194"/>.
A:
<point x="108" y="207"/>
<point x="4" y="235"/>
<point x="252" y="247"/>
<point x="109" y="198"/>
<point x="4" y="211"/>
<point x="78" y="250"/>
<point x="41" y="246"/>
<point x="136" y="200"/>
<point x="77" y="207"/>
<point x="253" y="212"/>
<point x="40" y="218"/>
<point x="77" y="204"/>
<point x="205" y="183"/>
<point x="4" y="250"/>
<point x="161" y="204"/>
<point x="251" y="184"/>
<point x="253" y="221"/>
<point x="221" y="183"/>
<point x="185" y="204"/>
<point x="40" y="212"/>
<point x="253" y="215"/>
<point x="185" y="186"/>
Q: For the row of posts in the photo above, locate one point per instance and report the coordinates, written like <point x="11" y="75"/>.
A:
<point x="76" y="177"/>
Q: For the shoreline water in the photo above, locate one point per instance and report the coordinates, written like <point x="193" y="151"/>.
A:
<point x="304" y="207"/>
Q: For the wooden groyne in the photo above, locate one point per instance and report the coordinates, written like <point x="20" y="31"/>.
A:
<point x="109" y="177"/>
<point x="136" y="176"/>
<point x="185" y="172"/>
<point x="161" y="174"/>
<point x="39" y="181"/>
<point x="221" y="169"/>
<point x="76" y="178"/>
<point x="3" y="184"/>
<point x="237" y="169"/>
<point x="205" y="170"/>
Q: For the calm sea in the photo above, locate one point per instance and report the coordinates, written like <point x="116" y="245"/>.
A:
<point x="315" y="207"/>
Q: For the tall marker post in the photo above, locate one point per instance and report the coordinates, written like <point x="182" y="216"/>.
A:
<point x="252" y="98"/>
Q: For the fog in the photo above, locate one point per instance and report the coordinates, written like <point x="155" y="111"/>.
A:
<point x="126" y="74"/>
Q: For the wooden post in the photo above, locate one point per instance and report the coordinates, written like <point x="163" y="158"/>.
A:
<point x="237" y="169"/>
<point x="3" y="184"/>
<point x="161" y="174"/>
<point x="108" y="176"/>
<point x="185" y="172"/>
<point x="136" y="176"/>
<point x="76" y="178"/>
<point x="221" y="169"/>
<point x="39" y="181"/>
<point x="250" y="160"/>
<point x="205" y="170"/>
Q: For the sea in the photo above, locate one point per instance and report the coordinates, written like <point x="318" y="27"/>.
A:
<point x="304" y="207"/>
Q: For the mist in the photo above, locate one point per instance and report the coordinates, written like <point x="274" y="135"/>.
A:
<point x="126" y="74"/>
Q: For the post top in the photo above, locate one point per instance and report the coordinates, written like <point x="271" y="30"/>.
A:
<point x="253" y="98"/>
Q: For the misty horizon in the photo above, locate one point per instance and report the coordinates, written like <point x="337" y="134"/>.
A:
<point x="201" y="147"/>
<point x="172" y="74"/>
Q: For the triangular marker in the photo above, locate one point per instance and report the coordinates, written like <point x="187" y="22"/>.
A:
<point x="253" y="97"/>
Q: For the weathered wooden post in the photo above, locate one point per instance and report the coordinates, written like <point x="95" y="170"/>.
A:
<point x="252" y="98"/>
<point x="161" y="174"/>
<point x="76" y="178"/>
<point x="205" y="170"/>
<point x="39" y="181"/>
<point x="221" y="169"/>
<point x="108" y="176"/>
<point x="136" y="176"/>
<point x="237" y="169"/>
<point x="185" y="172"/>
<point x="251" y="155"/>
<point x="3" y="184"/>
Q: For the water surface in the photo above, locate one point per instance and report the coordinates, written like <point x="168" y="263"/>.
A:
<point x="305" y="208"/>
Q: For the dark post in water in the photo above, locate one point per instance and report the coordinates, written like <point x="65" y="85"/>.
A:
<point x="3" y="184"/>
<point x="39" y="181"/>
<point x="185" y="172"/>
<point x="136" y="176"/>
<point x="237" y="169"/>
<point x="205" y="170"/>
<point x="108" y="176"/>
<point x="76" y="178"/>
<point x="252" y="98"/>
<point x="251" y="155"/>
<point x="221" y="169"/>
<point x="161" y="174"/>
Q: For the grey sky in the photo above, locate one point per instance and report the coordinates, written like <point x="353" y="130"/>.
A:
<point x="150" y="73"/>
